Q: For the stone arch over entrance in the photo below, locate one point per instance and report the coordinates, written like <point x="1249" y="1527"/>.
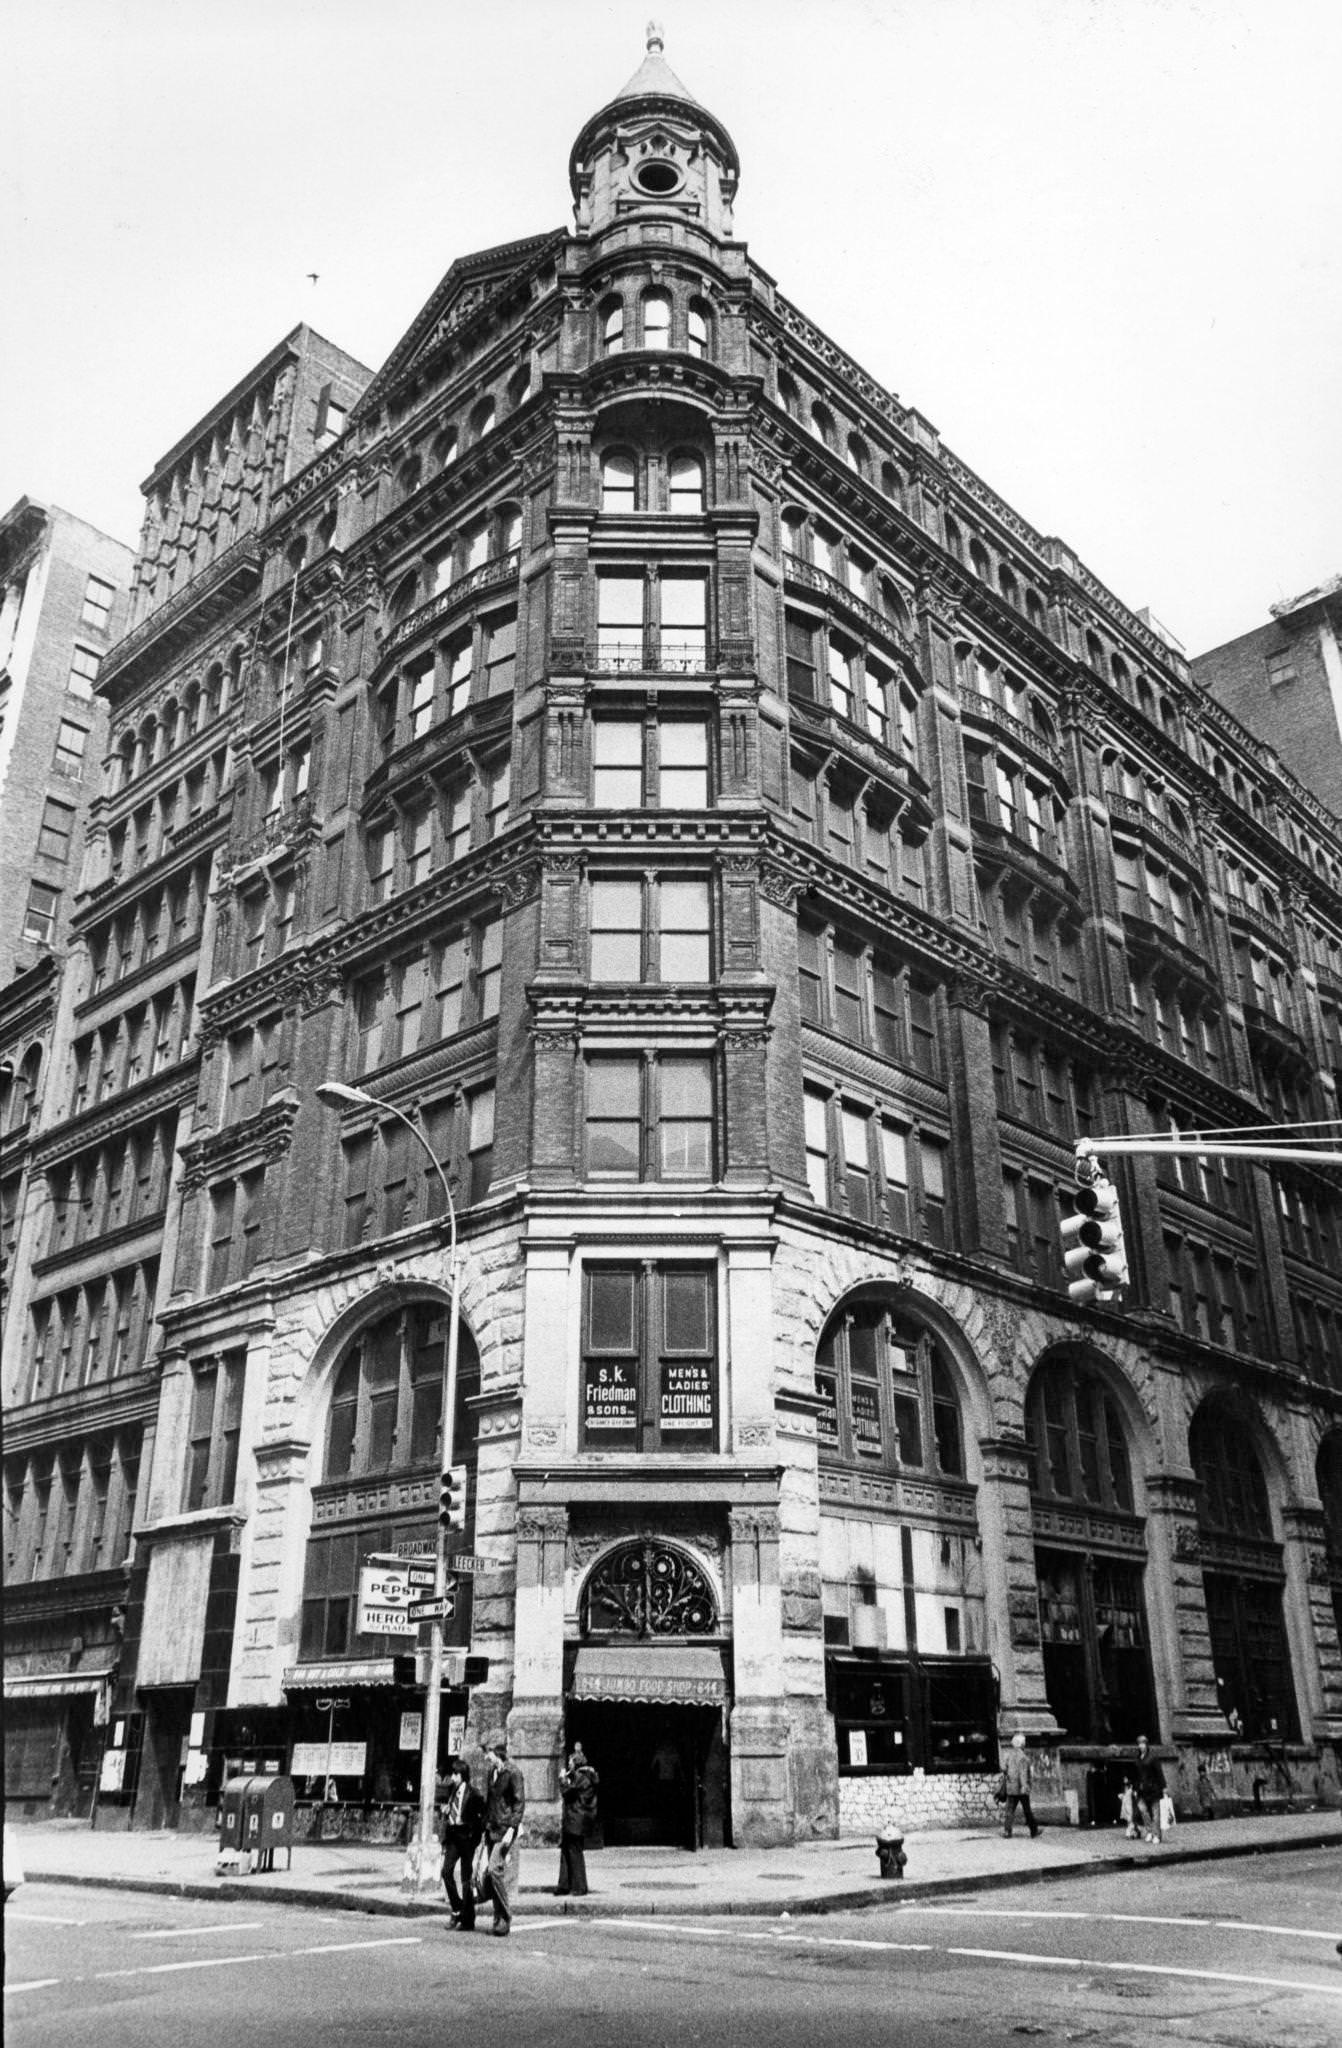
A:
<point x="647" y="1693"/>
<point x="1088" y="1446"/>
<point x="1240" y="1477"/>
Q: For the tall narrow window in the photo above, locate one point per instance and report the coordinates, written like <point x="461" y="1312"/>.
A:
<point x="613" y="329"/>
<point x="617" y="764"/>
<point x="684" y="623"/>
<point x="617" y="930"/>
<point x="619" y="621"/>
<point x="618" y="483"/>
<point x="683" y="936"/>
<point x="696" y="332"/>
<point x="682" y="765"/>
<point x="685" y="484"/>
<point x="657" y="320"/>
<point x="685" y="1119"/>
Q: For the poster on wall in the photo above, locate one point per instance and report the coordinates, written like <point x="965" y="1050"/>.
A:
<point x="857" y="1748"/>
<point x="610" y="1399"/>
<point x="410" y="1731"/>
<point x="866" y="1412"/>
<point x="112" y="1776"/>
<point x="342" y="1759"/>
<point x="827" y="1416"/>
<point x="687" y="1394"/>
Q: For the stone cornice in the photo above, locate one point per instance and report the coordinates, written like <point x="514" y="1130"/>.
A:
<point x="82" y="1411"/>
<point x="258" y="1140"/>
<point x="844" y="893"/>
<point x="173" y="1088"/>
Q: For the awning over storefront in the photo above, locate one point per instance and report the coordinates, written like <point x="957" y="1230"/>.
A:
<point x="53" y="1685"/>
<point x="644" y="1672"/>
<point x="339" y="1671"/>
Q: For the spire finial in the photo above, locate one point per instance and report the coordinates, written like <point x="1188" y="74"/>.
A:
<point x="655" y="36"/>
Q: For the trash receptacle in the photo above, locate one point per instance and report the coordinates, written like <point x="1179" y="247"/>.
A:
<point x="268" y="1821"/>
<point x="890" y="1855"/>
<point x="230" y="1820"/>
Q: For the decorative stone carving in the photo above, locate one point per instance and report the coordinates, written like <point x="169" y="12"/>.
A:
<point x="779" y="886"/>
<point x="519" y="885"/>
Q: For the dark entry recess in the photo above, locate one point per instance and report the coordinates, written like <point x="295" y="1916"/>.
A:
<point x="663" y="1771"/>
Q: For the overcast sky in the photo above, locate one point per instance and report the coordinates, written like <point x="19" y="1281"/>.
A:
<point x="1097" y="242"/>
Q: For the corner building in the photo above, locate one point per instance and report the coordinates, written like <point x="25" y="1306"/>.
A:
<point x="664" y="768"/>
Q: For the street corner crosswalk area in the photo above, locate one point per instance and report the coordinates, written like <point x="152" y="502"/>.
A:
<point x="1234" y="1955"/>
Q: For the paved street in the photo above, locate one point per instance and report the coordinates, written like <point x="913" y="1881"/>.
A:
<point x="1234" y="1953"/>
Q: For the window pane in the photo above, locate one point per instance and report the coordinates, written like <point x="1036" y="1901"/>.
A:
<point x="684" y="931"/>
<point x="617" y="757"/>
<point x="686" y="1126"/>
<point x="617" y="483"/>
<point x="610" y="1311"/>
<point x="617" y="931"/>
<point x="614" y="1091"/>
<point x="687" y="1298"/>
<point x="620" y="600"/>
<point x="682" y="779"/>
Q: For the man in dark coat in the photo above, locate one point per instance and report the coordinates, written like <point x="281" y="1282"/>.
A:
<point x="577" y="1790"/>
<point x="463" y="1825"/>
<point x="505" y="1803"/>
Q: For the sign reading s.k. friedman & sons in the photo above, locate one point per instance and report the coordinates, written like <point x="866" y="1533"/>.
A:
<point x="687" y="1394"/>
<point x="610" y="1398"/>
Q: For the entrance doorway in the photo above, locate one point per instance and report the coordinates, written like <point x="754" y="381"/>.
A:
<point x="167" y="1732"/>
<point x="663" y="1771"/>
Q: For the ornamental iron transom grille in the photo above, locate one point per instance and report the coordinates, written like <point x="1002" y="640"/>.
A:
<point x="646" y="1589"/>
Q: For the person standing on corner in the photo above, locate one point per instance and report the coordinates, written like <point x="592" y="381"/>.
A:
<point x="577" y="1789"/>
<point x="505" y="1804"/>
<point x="1150" y="1788"/>
<point x="1016" y="1778"/>
<point x="463" y="1825"/>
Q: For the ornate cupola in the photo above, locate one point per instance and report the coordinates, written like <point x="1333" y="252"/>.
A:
<point x="653" y="150"/>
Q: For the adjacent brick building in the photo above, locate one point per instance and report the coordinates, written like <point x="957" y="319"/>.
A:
<point x="1284" y="681"/>
<point x="637" y="748"/>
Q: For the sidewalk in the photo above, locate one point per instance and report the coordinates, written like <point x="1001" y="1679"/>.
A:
<point x="808" y="1877"/>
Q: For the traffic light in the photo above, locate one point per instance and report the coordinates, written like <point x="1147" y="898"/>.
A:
<point x="1094" y="1256"/>
<point x="452" y="1498"/>
<point x="476" y="1672"/>
<point x="405" y="1669"/>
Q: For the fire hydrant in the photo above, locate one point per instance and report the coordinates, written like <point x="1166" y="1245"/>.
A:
<point x="890" y="1854"/>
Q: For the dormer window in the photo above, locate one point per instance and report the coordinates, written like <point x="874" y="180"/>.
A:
<point x="657" y="320"/>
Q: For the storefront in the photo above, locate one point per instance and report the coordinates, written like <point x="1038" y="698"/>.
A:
<point x="653" y="1720"/>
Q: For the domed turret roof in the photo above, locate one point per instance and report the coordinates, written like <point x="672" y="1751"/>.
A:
<point x="655" y="86"/>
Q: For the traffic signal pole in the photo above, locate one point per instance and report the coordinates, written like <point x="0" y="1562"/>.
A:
<point x="1092" y="1148"/>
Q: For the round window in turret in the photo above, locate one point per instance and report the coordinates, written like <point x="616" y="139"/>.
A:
<point x="658" y="178"/>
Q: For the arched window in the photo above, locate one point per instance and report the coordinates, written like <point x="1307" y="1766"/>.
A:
<point x="126" y="757"/>
<point x="955" y="544"/>
<point x="519" y="385"/>
<point x="445" y="449"/>
<point x="407" y="481"/>
<point x="1242" y="1577"/>
<point x="892" y="483"/>
<point x="859" y="460"/>
<point x="386" y="1401"/>
<point x="612" y="329"/>
<point x="482" y="419"/>
<point x="822" y="424"/>
<point x="25" y="1089"/>
<point x="1034" y="609"/>
<point x="697" y="328"/>
<point x="509" y="528"/>
<point x="685" y="482"/>
<point x="894" y="607"/>
<point x="648" y="1589"/>
<point x="619" y="481"/>
<point x="1009" y="587"/>
<point x="887" y="1394"/>
<point x="1077" y="1438"/>
<point x="1094" y="653"/>
<point x="1234" y="1491"/>
<point x="788" y="395"/>
<point x="657" y="320"/>
<point x="978" y="560"/>
<point x="403" y="597"/>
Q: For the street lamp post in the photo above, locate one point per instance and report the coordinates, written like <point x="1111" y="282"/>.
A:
<point x="421" y="1861"/>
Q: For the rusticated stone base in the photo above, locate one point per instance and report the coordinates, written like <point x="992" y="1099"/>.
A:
<point x="813" y="1771"/>
<point x="762" y="1814"/>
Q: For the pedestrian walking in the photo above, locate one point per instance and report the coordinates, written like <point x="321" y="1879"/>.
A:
<point x="1016" y="1779"/>
<point x="1149" y="1785"/>
<point x="505" y="1804"/>
<point x="577" y="1790"/>
<point x="463" y="1825"/>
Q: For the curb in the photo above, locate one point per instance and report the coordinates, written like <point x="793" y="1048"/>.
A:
<point x="889" y="1892"/>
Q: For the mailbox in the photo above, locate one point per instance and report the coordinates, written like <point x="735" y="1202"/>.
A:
<point x="267" y="1821"/>
<point x="230" y="1819"/>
